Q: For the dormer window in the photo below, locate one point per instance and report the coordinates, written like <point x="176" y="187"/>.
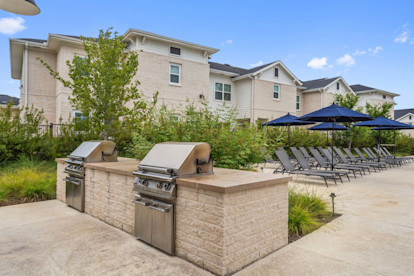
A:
<point x="175" y="51"/>
<point x="276" y="72"/>
<point x="410" y="117"/>
<point x="337" y="86"/>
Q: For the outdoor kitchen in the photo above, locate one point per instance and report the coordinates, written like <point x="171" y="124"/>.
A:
<point x="219" y="219"/>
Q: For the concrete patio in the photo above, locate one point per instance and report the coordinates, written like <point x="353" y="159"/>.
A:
<point x="375" y="235"/>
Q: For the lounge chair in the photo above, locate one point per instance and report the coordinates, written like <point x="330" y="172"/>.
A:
<point x="389" y="155"/>
<point x="382" y="165"/>
<point x="329" y="157"/>
<point x="308" y="157"/>
<point x="289" y="168"/>
<point x="324" y="164"/>
<point x="374" y="165"/>
<point x="305" y="165"/>
<point x="376" y="153"/>
<point x="349" y="162"/>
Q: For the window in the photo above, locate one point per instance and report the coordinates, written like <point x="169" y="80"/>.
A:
<point x="384" y="97"/>
<point x="276" y="92"/>
<point x="80" y="63"/>
<point x="79" y="116"/>
<point x="276" y="72"/>
<point x="175" y="73"/>
<point x="297" y="102"/>
<point x="410" y="117"/>
<point x="175" y="51"/>
<point x="222" y="91"/>
<point x="337" y="86"/>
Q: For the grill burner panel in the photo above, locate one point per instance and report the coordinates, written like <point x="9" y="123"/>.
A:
<point x="87" y="152"/>
<point x="157" y="191"/>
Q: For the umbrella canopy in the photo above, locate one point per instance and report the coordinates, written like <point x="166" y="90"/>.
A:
<point x="381" y="122"/>
<point x="287" y="120"/>
<point x="394" y="128"/>
<point x="335" y="113"/>
<point x="328" y="126"/>
<point x="24" y="7"/>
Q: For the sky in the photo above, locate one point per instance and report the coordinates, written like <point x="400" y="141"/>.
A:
<point x="366" y="42"/>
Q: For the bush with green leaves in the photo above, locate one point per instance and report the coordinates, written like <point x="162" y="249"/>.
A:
<point x="233" y="146"/>
<point x="305" y="211"/>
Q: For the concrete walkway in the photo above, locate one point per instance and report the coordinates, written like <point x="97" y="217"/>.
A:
<point x="374" y="236"/>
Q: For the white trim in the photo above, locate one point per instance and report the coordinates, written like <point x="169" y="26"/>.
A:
<point x="179" y="74"/>
<point x="278" y="92"/>
<point x="300" y="102"/>
<point x="168" y="39"/>
<point x="223" y="92"/>
<point x="405" y="115"/>
<point x="225" y="73"/>
<point x="270" y="66"/>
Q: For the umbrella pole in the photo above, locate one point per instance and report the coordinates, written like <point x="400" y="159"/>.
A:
<point x="379" y="143"/>
<point x="332" y="146"/>
<point x="395" y="145"/>
<point x="289" y="135"/>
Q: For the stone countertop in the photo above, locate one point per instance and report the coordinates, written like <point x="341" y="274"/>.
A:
<point x="227" y="180"/>
<point x="222" y="181"/>
<point x="124" y="166"/>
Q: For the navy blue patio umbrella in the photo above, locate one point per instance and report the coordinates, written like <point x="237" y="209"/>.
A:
<point x="287" y="120"/>
<point x="333" y="114"/>
<point x="382" y="123"/>
<point x="328" y="127"/>
<point x="393" y="128"/>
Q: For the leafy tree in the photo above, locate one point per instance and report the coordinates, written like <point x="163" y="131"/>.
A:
<point x="102" y="85"/>
<point x="350" y="101"/>
<point x="378" y="110"/>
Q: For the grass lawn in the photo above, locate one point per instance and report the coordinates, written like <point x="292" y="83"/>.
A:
<point x="27" y="181"/>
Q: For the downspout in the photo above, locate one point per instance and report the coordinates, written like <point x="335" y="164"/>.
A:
<point x="322" y="92"/>
<point x="25" y="74"/>
<point x="252" y="100"/>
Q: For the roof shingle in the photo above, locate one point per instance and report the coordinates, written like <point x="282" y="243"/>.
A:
<point x="318" y="83"/>
<point x="5" y="99"/>
<point x="398" y="113"/>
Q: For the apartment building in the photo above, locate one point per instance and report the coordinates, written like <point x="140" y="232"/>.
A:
<point x="178" y="71"/>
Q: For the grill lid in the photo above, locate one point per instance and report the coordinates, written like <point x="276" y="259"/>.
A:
<point x="95" y="151"/>
<point x="182" y="159"/>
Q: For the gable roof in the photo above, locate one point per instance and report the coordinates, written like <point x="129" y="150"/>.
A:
<point x="361" y="89"/>
<point x="241" y="73"/>
<point x="398" y="113"/>
<point x="5" y="99"/>
<point x="318" y="83"/>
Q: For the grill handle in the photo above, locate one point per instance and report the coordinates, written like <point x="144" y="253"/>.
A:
<point x="164" y="210"/>
<point x="141" y="202"/>
<point x="155" y="169"/>
<point x="72" y="180"/>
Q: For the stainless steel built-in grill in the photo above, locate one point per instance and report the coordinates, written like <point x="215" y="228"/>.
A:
<point x="87" y="152"/>
<point x="156" y="187"/>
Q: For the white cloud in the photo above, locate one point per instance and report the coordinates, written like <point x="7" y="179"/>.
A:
<point x="11" y="26"/>
<point x="359" y="53"/>
<point x="318" y="63"/>
<point x="257" y="64"/>
<point x="347" y="60"/>
<point x="228" y="42"/>
<point x="375" y="50"/>
<point x="402" y="38"/>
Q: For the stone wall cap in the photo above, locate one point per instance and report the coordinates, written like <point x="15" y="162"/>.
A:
<point x="228" y="181"/>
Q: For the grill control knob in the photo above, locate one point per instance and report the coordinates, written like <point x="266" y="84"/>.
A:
<point x="159" y="185"/>
<point x="143" y="182"/>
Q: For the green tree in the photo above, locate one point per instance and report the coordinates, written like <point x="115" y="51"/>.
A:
<point x="102" y="84"/>
<point x="377" y="110"/>
<point x="350" y="101"/>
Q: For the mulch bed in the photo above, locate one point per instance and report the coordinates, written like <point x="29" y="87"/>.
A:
<point x="14" y="201"/>
<point x="324" y="220"/>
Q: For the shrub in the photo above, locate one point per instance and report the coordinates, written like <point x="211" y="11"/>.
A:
<point x="233" y="146"/>
<point x="27" y="180"/>
<point x="305" y="209"/>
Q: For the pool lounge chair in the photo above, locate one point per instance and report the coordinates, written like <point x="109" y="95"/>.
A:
<point x="305" y="165"/>
<point x="350" y="155"/>
<point x="289" y="168"/>
<point x="328" y="155"/>
<point x="324" y="164"/>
